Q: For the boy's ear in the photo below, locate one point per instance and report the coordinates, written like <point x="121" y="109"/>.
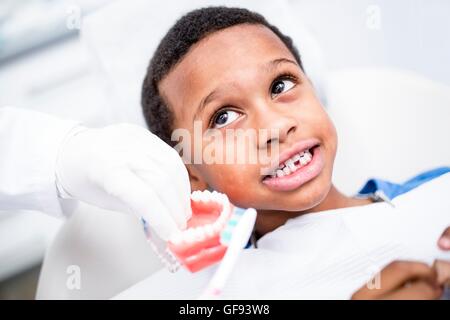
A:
<point x="197" y="182"/>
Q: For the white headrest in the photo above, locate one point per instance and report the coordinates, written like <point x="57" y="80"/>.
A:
<point x="123" y="36"/>
<point x="392" y="124"/>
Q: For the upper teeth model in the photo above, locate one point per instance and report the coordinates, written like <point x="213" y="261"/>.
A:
<point x="215" y="208"/>
<point x="293" y="164"/>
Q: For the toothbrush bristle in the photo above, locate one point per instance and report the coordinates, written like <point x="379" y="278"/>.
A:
<point x="225" y="235"/>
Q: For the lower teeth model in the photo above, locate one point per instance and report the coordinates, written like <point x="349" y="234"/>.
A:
<point x="205" y="240"/>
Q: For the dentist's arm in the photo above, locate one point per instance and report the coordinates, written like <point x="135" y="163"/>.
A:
<point x="123" y="168"/>
<point x="29" y="144"/>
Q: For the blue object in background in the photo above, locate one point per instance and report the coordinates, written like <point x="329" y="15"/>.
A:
<point x="392" y="190"/>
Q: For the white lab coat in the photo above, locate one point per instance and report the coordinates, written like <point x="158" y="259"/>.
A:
<point x="29" y="144"/>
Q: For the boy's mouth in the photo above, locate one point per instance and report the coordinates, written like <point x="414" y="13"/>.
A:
<point x="299" y="164"/>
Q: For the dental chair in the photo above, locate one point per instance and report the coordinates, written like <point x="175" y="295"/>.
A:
<point x="95" y="254"/>
<point x="386" y="121"/>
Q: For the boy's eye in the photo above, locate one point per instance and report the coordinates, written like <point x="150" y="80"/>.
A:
<point x="224" y="118"/>
<point x="280" y="86"/>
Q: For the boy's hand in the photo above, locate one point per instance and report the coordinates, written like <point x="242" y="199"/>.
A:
<point x="403" y="280"/>
<point x="411" y="280"/>
<point x="443" y="272"/>
<point x="443" y="267"/>
<point x="444" y="240"/>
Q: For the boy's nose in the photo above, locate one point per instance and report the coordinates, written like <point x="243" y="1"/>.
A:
<point x="279" y="126"/>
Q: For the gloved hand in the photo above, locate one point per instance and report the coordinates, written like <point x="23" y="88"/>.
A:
<point x="126" y="168"/>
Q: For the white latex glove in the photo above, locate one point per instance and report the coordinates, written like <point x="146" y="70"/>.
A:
<point x="126" y="168"/>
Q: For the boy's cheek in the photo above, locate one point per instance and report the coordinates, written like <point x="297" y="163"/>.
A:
<point x="324" y="127"/>
<point x="218" y="176"/>
<point x="312" y="116"/>
<point x="232" y="179"/>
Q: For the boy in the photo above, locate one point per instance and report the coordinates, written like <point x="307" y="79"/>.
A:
<point x="228" y="68"/>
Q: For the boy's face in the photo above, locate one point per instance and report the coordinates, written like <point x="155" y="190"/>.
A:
<point x="257" y="85"/>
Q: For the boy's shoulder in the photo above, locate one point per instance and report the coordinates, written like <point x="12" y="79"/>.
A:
<point x="391" y="190"/>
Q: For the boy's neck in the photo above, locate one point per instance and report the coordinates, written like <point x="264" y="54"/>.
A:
<point x="269" y="220"/>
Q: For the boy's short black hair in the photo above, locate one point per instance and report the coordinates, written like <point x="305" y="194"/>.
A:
<point x="187" y="31"/>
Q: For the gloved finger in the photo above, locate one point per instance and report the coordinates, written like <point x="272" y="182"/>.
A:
<point x="152" y="147"/>
<point x="171" y="184"/>
<point x="177" y="174"/>
<point x="168" y="194"/>
<point x="124" y="185"/>
<point x="186" y="189"/>
<point x="156" y="218"/>
<point x="173" y="199"/>
<point x="444" y="240"/>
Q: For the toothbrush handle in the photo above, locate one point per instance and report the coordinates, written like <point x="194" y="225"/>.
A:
<point x="238" y="241"/>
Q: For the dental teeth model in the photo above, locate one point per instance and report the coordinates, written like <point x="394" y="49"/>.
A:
<point x="292" y="164"/>
<point x="205" y="240"/>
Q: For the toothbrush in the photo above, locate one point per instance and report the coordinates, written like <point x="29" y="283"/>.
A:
<point x="235" y="236"/>
<point x="159" y="246"/>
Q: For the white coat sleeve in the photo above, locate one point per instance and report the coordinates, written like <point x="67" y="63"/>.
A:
<point x="29" y="143"/>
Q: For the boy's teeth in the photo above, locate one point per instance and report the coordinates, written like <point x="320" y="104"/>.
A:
<point x="308" y="156"/>
<point x="296" y="158"/>
<point x="290" y="164"/>
<point x="293" y="164"/>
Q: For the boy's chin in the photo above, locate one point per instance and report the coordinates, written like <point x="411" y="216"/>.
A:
<point x="305" y="198"/>
<point x="294" y="204"/>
